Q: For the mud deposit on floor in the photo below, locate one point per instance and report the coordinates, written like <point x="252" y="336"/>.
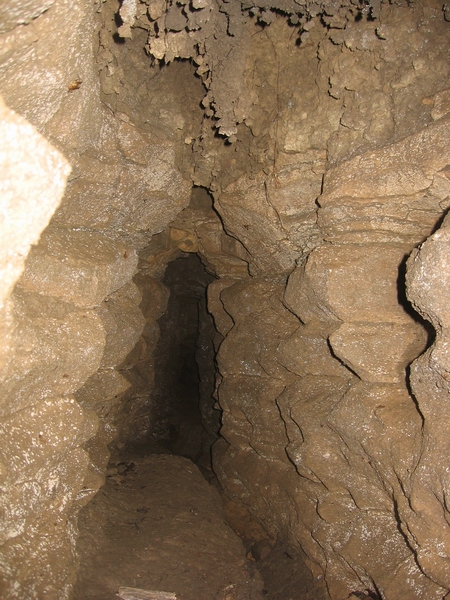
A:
<point x="158" y="525"/>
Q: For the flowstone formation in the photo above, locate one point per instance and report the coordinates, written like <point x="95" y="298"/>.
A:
<point x="215" y="34"/>
<point x="301" y="149"/>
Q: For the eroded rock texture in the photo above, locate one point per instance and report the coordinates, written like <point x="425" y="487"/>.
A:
<point x="316" y="136"/>
<point x="69" y="328"/>
<point x="424" y="512"/>
<point x="354" y="436"/>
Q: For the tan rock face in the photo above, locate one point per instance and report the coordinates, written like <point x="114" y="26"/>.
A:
<point x="275" y="216"/>
<point x="55" y="345"/>
<point x="367" y="201"/>
<point x="378" y="352"/>
<point x="353" y="431"/>
<point x="45" y="73"/>
<point x="424" y="518"/>
<point x="33" y="179"/>
<point x="350" y="283"/>
<point x="307" y="352"/>
<point x="260" y="323"/>
<point x="128" y="191"/>
<point x="78" y="266"/>
<point x="124" y="322"/>
<point x="122" y="187"/>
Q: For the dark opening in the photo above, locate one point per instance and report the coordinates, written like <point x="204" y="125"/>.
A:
<point x="185" y="421"/>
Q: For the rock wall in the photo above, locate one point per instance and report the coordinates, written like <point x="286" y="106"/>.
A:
<point x="324" y="438"/>
<point x="338" y="393"/>
<point x="335" y="170"/>
<point x="424" y="511"/>
<point x="73" y="319"/>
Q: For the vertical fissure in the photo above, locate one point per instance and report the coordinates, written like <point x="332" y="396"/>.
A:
<point x="184" y="419"/>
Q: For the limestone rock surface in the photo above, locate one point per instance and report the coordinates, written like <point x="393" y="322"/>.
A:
<point x="78" y="266"/>
<point x="129" y="190"/>
<point x="352" y="431"/>
<point x="425" y="517"/>
<point x="366" y="200"/>
<point x="34" y="175"/>
<point x="123" y="322"/>
<point x="378" y="352"/>
<point x="57" y="346"/>
<point x="274" y="216"/>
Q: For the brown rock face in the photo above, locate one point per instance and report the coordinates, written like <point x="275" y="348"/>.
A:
<point x="275" y="217"/>
<point x="74" y="317"/>
<point x="425" y="513"/>
<point x="353" y="435"/>
<point x="302" y="152"/>
<point x="81" y="267"/>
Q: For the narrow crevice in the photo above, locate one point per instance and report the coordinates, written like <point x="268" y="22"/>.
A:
<point x="184" y="419"/>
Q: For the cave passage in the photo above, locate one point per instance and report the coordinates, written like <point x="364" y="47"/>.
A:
<point x="155" y="509"/>
<point x="184" y="419"/>
<point x="157" y="528"/>
<point x="217" y="222"/>
<point x="158" y="525"/>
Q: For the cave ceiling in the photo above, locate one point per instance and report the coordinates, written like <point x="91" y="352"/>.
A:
<point x="216" y="34"/>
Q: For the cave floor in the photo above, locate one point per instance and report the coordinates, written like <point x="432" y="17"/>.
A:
<point x="157" y="525"/>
